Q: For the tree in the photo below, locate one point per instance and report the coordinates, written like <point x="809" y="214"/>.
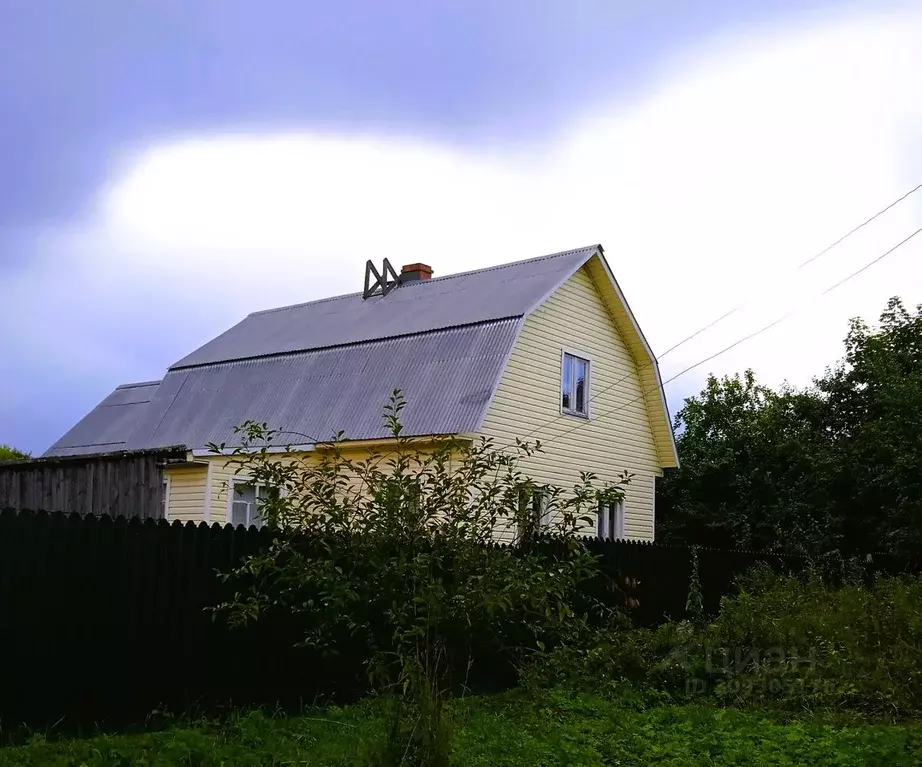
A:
<point x="750" y="458"/>
<point x="836" y="465"/>
<point x="397" y="553"/>
<point x="874" y="422"/>
<point x="8" y="453"/>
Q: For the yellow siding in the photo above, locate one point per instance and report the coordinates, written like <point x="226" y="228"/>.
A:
<point x="618" y="435"/>
<point x="187" y="493"/>
<point x="222" y="472"/>
<point x="646" y="365"/>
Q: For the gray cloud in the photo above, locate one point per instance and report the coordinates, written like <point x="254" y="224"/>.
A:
<point x="741" y="159"/>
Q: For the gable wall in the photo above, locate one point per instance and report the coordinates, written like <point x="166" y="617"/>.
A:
<point x="575" y="318"/>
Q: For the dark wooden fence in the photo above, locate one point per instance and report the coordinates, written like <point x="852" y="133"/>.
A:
<point x="105" y="620"/>
<point x="118" y="483"/>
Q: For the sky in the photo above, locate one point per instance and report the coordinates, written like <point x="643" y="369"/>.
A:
<point x="168" y="167"/>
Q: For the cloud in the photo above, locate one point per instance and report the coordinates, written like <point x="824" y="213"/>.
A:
<point x="747" y="155"/>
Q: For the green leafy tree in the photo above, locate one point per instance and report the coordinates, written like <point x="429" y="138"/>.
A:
<point x="873" y="418"/>
<point x="837" y="465"/>
<point x="396" y="553"/>
<point x="8" y="453"/>
<point x="750" y="460"/>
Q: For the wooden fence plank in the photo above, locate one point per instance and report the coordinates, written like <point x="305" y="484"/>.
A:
<point x="103" y="620"/>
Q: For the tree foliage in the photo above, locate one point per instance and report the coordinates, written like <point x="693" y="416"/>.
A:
<point x="8" y="453"/>
<point x="838" y="464"/>
<point x="873" y="418"/>
<point x="396" y="552"/>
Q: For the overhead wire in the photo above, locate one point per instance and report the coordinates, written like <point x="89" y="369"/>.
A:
<point x="733" y="345"/>
<point x="796" y="269"/>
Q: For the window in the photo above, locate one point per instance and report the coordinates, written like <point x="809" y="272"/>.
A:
<point x="540" y="511"/>
<point x="165" y="498"/>
<point x="245" y="504"/>
<point x="574" y="385"/>
<point x="611" y="520"/>
<point x="535" y="512"/>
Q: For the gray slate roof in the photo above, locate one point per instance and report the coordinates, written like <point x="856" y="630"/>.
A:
<point x="327" y="365"/>
<point x="416" y="307"/>
<point x="107" y="427"/>
<point x="446" y="376"/>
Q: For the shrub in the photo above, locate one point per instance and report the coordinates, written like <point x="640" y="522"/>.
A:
<point x="795" y="642"/>
<point x="8" y="453"/>
<point x="854" y="647"/>
<point x="396" y="554"/>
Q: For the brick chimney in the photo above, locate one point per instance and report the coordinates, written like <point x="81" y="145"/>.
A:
<point x="411" y="272"/>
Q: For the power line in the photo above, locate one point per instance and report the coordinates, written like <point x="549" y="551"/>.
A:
<point x="733" y="345"/>
<point x="737" y="308"/>
<point x="870" y="264"/>
<point x="860" y="226"/>
<point x="800" y="266"/>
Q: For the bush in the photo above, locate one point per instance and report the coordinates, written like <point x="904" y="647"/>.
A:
<point x="781" y="640"/>
<point x="853" y="647"/>
<point x="394" y="557"/>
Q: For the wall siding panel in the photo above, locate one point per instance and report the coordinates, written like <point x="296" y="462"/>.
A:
<point x="618" y="435"/>
<point x="187" y="493"/>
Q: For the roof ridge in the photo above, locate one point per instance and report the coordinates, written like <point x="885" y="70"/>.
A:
<point x="434" y="279"/>
<point x="510" y="263"/>
<point x="139" y="384"/>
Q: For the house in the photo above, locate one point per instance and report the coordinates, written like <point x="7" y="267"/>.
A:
<point x="545" y="348"/>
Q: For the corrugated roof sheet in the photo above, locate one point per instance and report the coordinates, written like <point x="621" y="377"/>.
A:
<point x="107" y="427"/>
<point x="498" y="292"/>
<point x="447" y="378"/>
<point x="331" y="365"/>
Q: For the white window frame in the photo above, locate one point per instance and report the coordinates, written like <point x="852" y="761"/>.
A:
<point x="537" y="512"/>
<point x="165" y="501"/>
<point x="610" y="521"/>
<point x="580" y="355"/>
<point x="231" y="494"/>
<point x="540" y="511"/>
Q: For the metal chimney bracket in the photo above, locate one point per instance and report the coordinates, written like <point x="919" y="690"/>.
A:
<point x="383" y="283"/>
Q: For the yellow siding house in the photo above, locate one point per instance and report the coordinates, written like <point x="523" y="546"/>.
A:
<point x="545" y="348"/>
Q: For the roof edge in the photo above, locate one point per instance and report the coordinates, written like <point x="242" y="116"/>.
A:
<point x="51" y="459"/>
<point x="501" y="373"/>
<point x="139" y="384"/>
<point x="366" y="342"/>
<point x="594" y="250"/>
<point x="652" y="361"/>
<point x="432" y="280"/>
<point x="599" y="252"/>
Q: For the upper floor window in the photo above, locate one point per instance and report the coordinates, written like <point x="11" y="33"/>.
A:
<point x="574" y="387"/>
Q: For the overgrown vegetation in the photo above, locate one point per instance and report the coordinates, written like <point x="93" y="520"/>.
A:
<point x="793" y="643"/>
<point x="558" y="728"/>
<point x="836" y="465"/>
<point x="393" y="556"/>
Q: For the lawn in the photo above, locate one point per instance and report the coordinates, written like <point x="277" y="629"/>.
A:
<point x="510" y="729"/>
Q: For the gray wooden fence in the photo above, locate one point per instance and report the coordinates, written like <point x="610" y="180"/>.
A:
<point x="127" y="484"/>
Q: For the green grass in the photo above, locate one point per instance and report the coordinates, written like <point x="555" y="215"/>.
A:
<point x="558" y="729"/>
